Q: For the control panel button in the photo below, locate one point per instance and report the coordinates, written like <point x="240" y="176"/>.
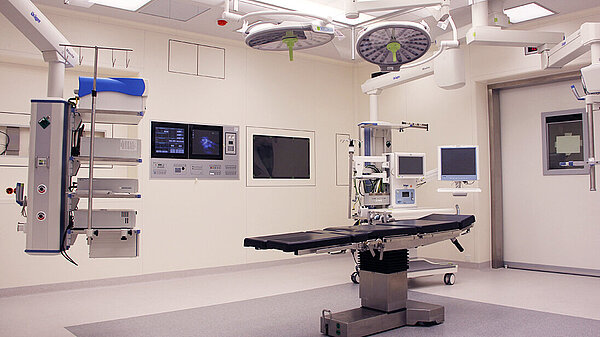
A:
<point x="42" y="189"/>
<point x="41" y="216"/>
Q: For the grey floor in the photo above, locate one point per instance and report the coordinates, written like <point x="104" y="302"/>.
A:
<point x="47" y="313"/>
<point x="297" y="315"/>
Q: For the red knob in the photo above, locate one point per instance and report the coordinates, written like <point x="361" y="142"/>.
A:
<point x="221" y="22"/>
<point x="10" y="190"/>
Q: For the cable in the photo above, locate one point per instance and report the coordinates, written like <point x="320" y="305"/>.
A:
<point x="7" y="142"/>
<point x="63" y="249"/>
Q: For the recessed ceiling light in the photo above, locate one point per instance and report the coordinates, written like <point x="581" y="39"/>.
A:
<point x="308" y="6"/>
<point x="130" y="5"/>
<point x="527" y="12"/>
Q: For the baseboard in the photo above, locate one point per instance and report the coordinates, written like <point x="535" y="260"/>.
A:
<point x="553" y="269"/>
<point x="113" y="281"/>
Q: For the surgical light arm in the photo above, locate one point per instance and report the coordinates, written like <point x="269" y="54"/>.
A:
<point x="30" y="21"/>
<point x="354" y="7"/>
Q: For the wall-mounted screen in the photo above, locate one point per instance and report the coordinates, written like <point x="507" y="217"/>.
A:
<point x="206" y="142"/>
<point x="279" y="157"/>
<point x="458" y="163"/>
<point x="169" y="140"/>
<point x="410" y="165"/>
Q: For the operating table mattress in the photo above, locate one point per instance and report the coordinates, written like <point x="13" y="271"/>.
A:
<point x="333" y="236"/>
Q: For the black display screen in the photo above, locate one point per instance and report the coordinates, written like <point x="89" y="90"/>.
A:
<point x="169" y="140"/>
<point x="206" y="142"/>
<point x="277" y="157"/>
<point x="459" y="162"/>
<point x="408" y="165"/>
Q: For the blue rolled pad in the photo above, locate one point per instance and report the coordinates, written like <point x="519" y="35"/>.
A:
<point x="463" y="220"/>
<point x="365" y="232"/>
<point x="127" y="86"/>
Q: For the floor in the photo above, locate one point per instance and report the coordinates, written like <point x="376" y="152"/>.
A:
<point x="46" y="314"/>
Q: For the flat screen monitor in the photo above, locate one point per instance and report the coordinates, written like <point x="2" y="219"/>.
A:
<point x="458" y="163"/>
<point x="278" y="157"/>
<point x="410" y="165"/>
<point x="206" y="142"/>
<point x="169" y="140"/>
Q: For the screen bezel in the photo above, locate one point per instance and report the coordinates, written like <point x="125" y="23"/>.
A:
<point x="153" y="154"/>
<point x="410" y="176"/>
<point x="218" y="156"/>
<point x="452" y="177"/>
<point x="254" y="176"/>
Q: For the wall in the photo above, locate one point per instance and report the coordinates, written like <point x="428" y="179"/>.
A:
<point x="187" y="224"/>
<point x="460" y="117"/>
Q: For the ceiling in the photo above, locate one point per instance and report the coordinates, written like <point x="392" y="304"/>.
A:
<point x="201" y="16"/>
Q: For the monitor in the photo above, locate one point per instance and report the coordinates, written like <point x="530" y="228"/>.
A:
<point x="169" y="140"/>
<point x="458" y="163"/>
<point x="410" y="165"/>
<point x="279" y="157"/>
<point x="206" y="142"/>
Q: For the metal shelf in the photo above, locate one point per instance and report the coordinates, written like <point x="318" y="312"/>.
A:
<point x="110" y="160"/>
<point x="104" y="194"/>
<point x="112" y="116"/>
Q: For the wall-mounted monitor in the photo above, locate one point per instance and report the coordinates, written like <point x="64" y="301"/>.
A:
<point x="458" y="163"/>
<point x="206" y="142"/>
<point x="194" y="151"/>
<point x="169" y="140"/>
<point x="410" y="165"/>
<point x="280" y="157"/>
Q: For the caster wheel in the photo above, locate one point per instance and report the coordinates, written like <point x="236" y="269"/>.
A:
<point x="355" y="277"/>
<point x="449" y="279"/>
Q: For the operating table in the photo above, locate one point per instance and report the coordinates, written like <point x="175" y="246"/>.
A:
<point x="383" y="257"/>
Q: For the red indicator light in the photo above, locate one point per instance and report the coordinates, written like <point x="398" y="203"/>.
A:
<point x="221" y="22"/>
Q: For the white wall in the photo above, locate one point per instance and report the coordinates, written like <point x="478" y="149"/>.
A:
<point x="460" y="117"/>
<point x="188" y="224"/>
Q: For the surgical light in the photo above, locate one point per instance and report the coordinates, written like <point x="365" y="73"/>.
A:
<point x="391" y="44"/>
<point x="288" y="36"/>
<point x="130" y="5"/>
<point x="527" y="12"/>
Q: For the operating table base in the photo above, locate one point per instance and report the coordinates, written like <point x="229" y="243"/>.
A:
<point x="363" y="321"/>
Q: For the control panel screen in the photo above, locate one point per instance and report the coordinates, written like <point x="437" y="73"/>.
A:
<point x="410" y="165"/>
<point x="206" y="142"/>
<point x="277" y="157"/>
<point x="458" y="163"/>
<point x="169" y="140"/>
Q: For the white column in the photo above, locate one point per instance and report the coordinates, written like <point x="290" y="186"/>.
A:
<point x="373" y="108"/>
<point x="56" y="78"/>
<point x="479" y="13"/>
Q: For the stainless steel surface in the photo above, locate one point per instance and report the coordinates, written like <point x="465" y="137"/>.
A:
<point x="92" y="137"/>
<point x="376" y="199"/>
<point x="589" y="108"/>
<point x="350" y="180"/>
<point x="419" y="312"/>
<point x="495" y="140"/>
<point x="15" y="140"/>
<point x="384" y="292"/>
<point x="363" y="322"/>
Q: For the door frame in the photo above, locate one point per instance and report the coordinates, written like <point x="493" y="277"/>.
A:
<point x="495" y="140"/>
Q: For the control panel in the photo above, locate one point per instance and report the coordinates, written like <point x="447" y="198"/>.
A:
<point x="405" y="196"/>
<point x="192" y="151"/>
